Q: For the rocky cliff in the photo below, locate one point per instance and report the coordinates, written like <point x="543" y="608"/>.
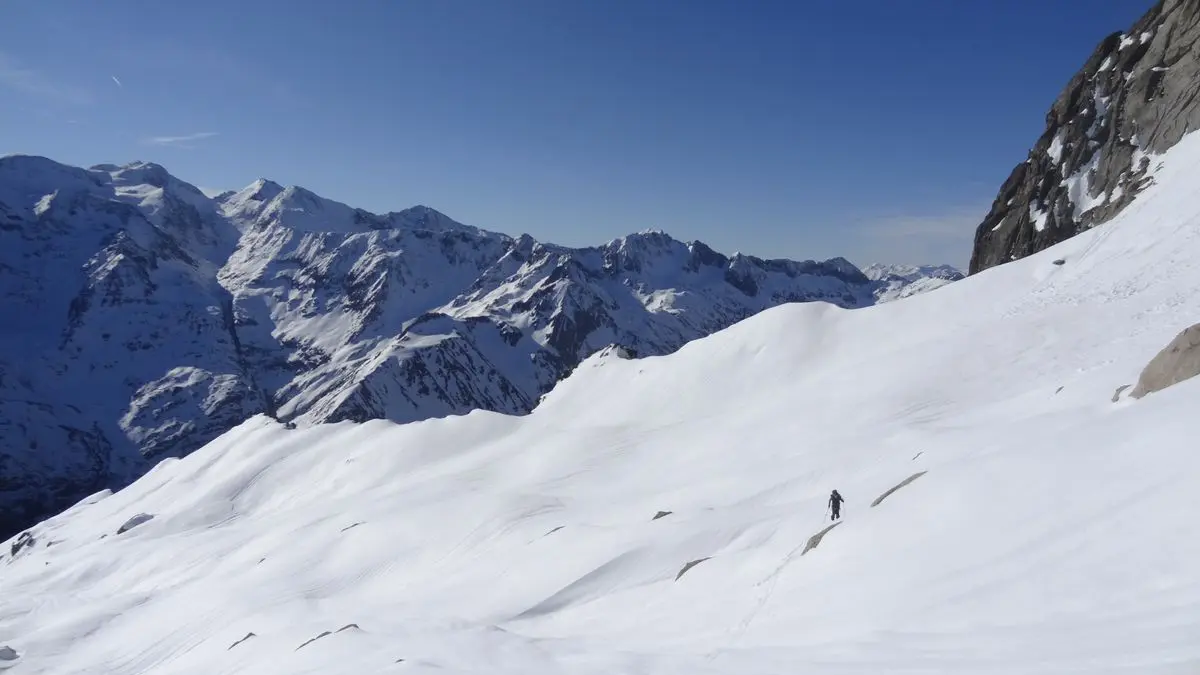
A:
<point x="1136" y="96"/>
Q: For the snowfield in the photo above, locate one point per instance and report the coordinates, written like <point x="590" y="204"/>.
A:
<point x="1053" y="531"/>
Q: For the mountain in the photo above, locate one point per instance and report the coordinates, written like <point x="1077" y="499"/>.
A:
<point x="666" y="514"/>
<point x="1134" y="99"/>
<point x="901" y="281"/>
<point x="146" y="319"/>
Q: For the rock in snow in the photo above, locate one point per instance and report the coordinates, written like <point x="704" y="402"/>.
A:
<point x="1134" y="98"/>
<point x="1178" y="361"/>
<point x="134" y="522"/>
<point x="144" y="319"/>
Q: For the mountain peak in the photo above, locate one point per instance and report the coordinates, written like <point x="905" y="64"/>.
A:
<point x="262" y="190"/>
<point x="27" y="178"/>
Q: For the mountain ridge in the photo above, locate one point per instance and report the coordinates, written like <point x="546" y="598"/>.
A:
<point x="163" y="317"/>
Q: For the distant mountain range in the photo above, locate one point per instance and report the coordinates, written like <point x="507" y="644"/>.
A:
<point x="901" y="281"/>
<point x="144" y="318"/>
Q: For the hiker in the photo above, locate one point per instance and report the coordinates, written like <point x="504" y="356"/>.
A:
<point x="835" y="504"/>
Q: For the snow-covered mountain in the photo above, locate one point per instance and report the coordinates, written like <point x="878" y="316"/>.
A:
<point x="1134" y="98"/>
<point x="145" y="319"/>
<point x="901" y="281"/>
<point x="667" y="514"/>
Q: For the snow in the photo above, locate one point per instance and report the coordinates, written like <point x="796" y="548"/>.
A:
<point x="1108" y="63"/>
<point x="1078" y="187"/>
<point x="1056" y="148"/>
<point x="1038" y="216"/>
<point x="902" y="281"/>
<point x="1053" y="532"/>
<point x="181" y="316"/>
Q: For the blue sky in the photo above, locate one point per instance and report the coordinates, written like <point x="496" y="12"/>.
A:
<point x="874" y="129"/>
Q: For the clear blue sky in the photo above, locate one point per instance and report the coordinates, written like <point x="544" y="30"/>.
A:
<point x="873" y="129"/>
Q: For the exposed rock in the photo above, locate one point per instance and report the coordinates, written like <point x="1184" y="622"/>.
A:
<point x="1178" y="361"/>
<point x="26" y="540"/>
<point x="348" y="626"/>
<point x="689" y="566"/>
<point x="899" y="485"/>
<point x="8" y="657"/>
<point x="1135" y="97"/>
<point x="248" y="636"/>
<point x="134" y="522"/>
<point x="815" y="540"/>
<point x="661" y="514"/>
<point x="312" y="640"/>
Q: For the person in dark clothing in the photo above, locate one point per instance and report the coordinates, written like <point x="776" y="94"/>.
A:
<point x="835" y="504"/>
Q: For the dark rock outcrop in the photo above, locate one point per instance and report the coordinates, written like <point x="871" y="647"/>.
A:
<point x="692" y="563"/>
<point x="815" y="540"/>
<point x="1135" y="97"/>
<point x="25" y="541"/>
<point x="1178" y="361"/>
<point x="134" y="522"/>
<point x="899" y="485"/>
<point x="248" y="636"/>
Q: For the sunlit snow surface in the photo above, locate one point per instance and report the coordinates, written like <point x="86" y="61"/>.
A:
<point x="1054" y="531"/>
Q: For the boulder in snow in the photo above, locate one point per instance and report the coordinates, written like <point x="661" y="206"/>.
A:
<point x="899" y="485"/>
<point x="134" y="522"/>
<point x="689" y="566"/>
<point x="815" y="540"/>
<point x="1178" y="361"/>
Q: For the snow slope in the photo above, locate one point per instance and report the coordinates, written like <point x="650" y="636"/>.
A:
<point x="1053" y="531"/>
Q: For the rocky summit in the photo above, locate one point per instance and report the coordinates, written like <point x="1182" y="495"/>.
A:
<point x="1134" y="98"/>
<point x="144" y="319"/>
